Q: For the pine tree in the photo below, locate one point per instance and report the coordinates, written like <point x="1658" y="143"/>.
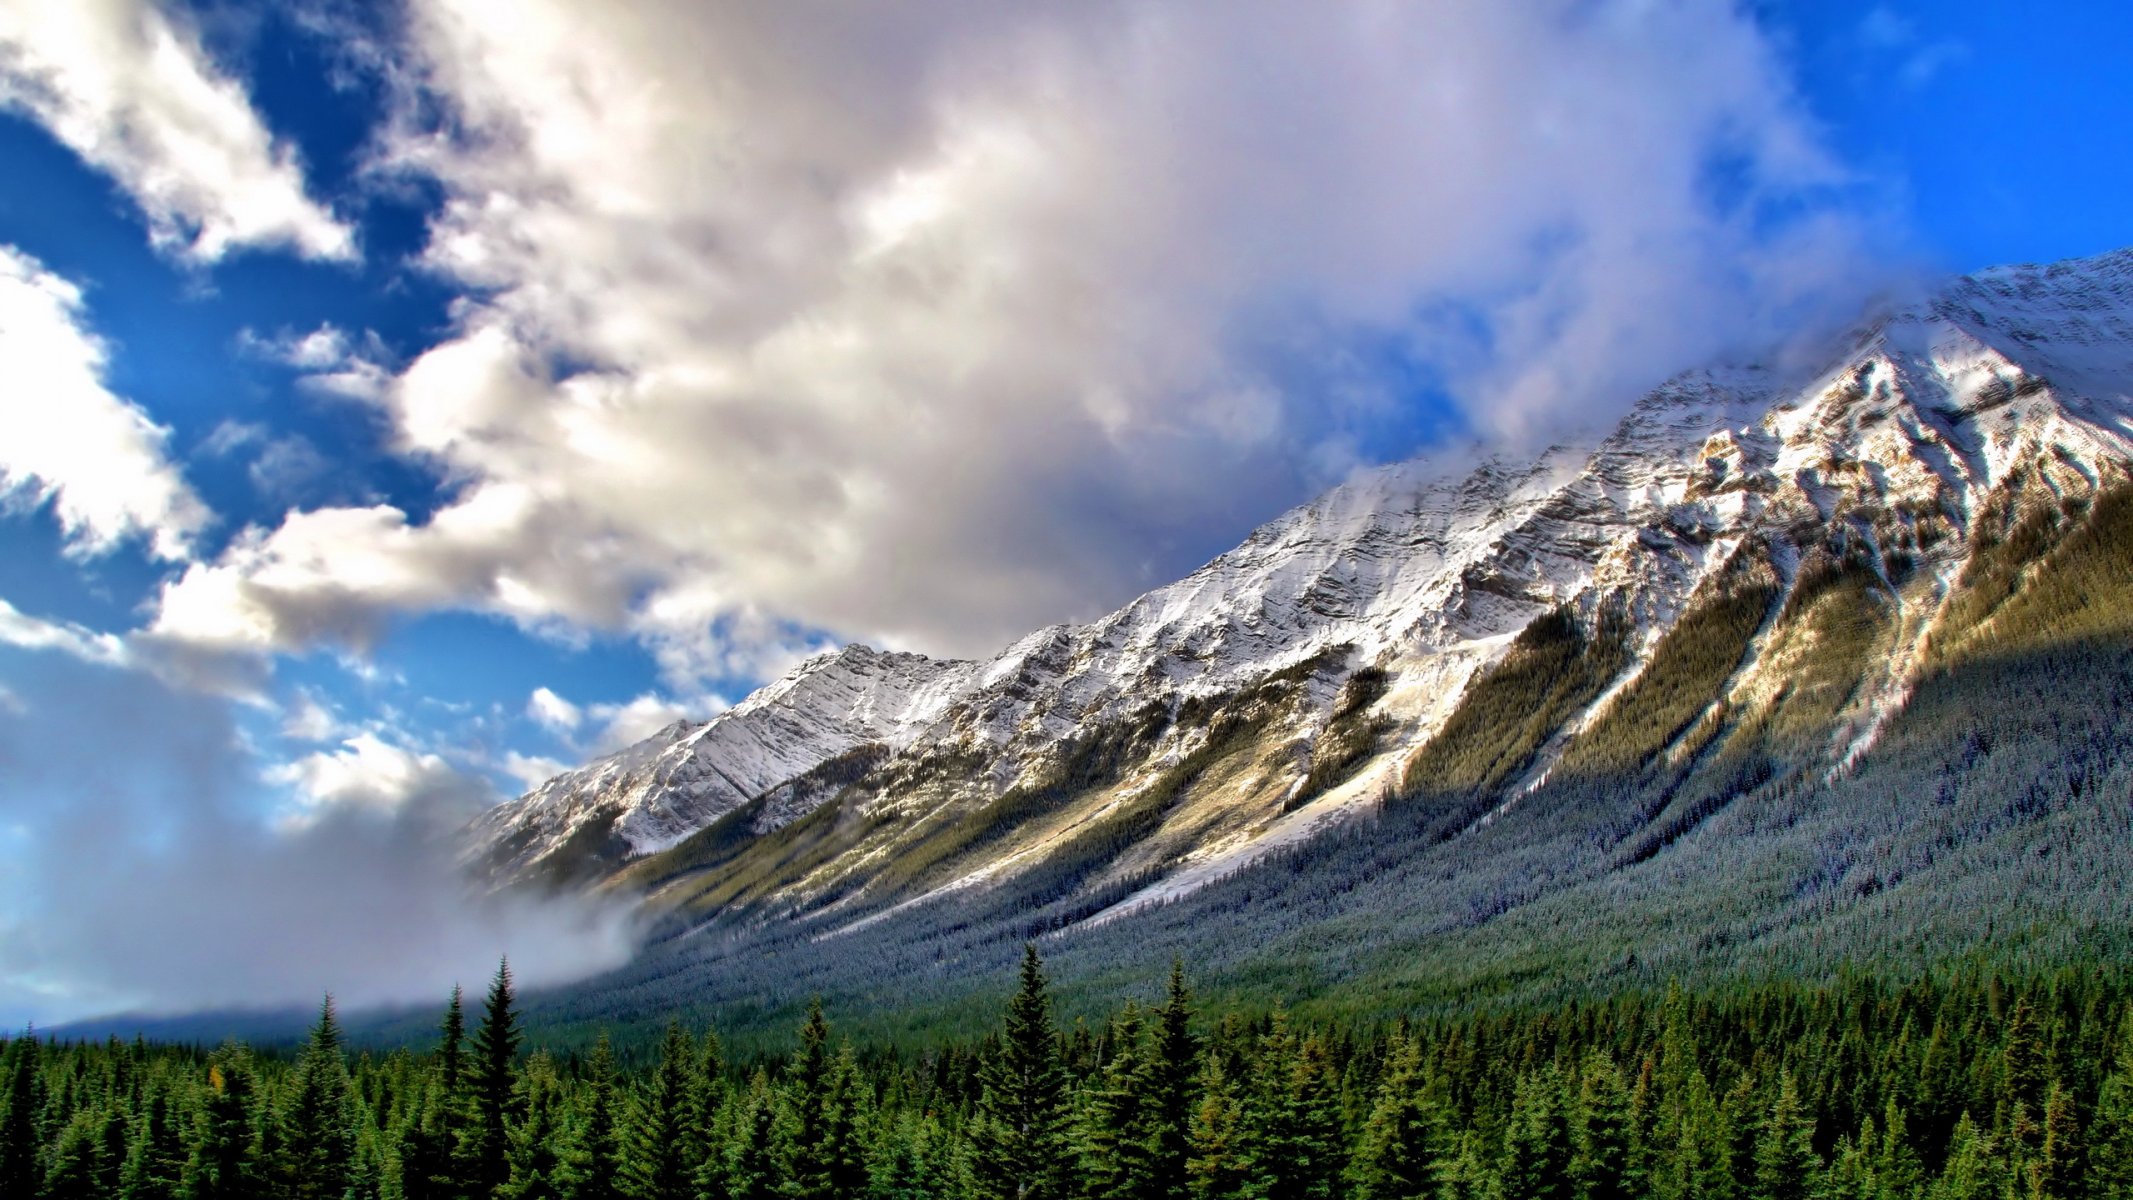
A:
<point x="596" y="1169"/>
<point x="494" y="1089"/>
<point x="911" y="1161"/>
<point x="1170" y="1072"/>
<point x="318" y="1134"/>
<point x="1973" y="1167"/>
<point x="1116" y="1125"/>
<point x="1392" y="1157"/>
<point x="21" y="1118"/>
<point x="224" y="1164"/>
<point x="538" y="1150"/>
<point x="1216" y="1169"/>
<point x="1785" y="1163"/>
<point x="1018" y="1139"/>
<point x="432" y="1165"/>
<point x="807" y="1093"/>
<point x="1291" y="1125"/>
<point x="2057" y="1173"/>
<point x="665" y="1140"/>
<point x="155" y="1163"/>
<point x="1600" y="1133"/>
<point x="843" y="1151"/>
<point x="2023" y="1057"/>
<point x="1537" y="1150"/>
<point x="752" y="1168"/>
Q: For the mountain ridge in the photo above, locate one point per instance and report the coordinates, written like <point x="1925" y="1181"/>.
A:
<point x="1235" y="688"/>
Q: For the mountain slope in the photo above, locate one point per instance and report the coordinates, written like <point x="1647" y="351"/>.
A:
<point x="1731" y="594"/>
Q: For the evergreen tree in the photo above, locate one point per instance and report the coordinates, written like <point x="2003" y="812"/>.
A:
<point x="1291" y="1124"/>
<point x="1216" y="1169"/>
<point x="155" y="1163"/>
<point x="596" y="1169"/>
<point x="842" y="1153"/>
<point x="432" y="1165"/>
<point x="665" y="1142"/>
<point x="493" y="1089"/>
<point x="1973" y="1167"/>
<point x="318" y="1130"/>
<point x="2057" y="1173"/>
<point x="21" y="1118"/>
<point x="1537" y="1150"/>
<point x="807" y="1092"/>
<point x="1600" y="1134"/>
<point x="1018" y="1138"/>
<point x="1392" y="1158"/>
<point x="74" y="1167"/>
<point x="1117" y="1123"/>
<point x="911" y="1161"/>
<point x="1170" y="1067"/>
<point x="538" y="1149"/>
<point x="1785" y="1163"/>
<point x="224" y="1164"/>
<point x="752" y="1168"/>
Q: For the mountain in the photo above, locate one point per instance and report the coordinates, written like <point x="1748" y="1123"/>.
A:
<point x="1730" y="595"/>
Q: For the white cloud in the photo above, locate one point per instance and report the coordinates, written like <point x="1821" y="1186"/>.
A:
<point x="330" y="361"/>
<point x="553" y="711"/>
<point x="130" y="88"/>
<point x="932" y="326"/>
<point x="307" y="719"/>
<point x="532" y="770"/>
<point x="25" y="632"/>
<point x="367" y="773"/>
<point x="635" y="720"/>
<point x="65" y="439"/>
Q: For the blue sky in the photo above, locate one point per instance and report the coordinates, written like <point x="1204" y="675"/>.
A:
<point x="400" y="402"/>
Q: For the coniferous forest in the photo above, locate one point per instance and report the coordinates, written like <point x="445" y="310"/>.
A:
<point x="1960" y="1087"/>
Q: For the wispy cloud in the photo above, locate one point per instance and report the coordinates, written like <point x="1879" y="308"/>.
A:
<point x="65" y="439"/>
<point x="129" y="87"/>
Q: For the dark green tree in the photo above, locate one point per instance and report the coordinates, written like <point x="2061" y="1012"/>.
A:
<point x="665" y="1146"/>
<point x="539" y="1149"/>
<point x="224" y="1164"/>
<point x="1018" y="1138"/>
<point x="493" y="1089"/>
<point x="1600" y="1133"/>
<point x="318" y="1129"/>
<point x="596" y="1168"/>
<point x="22" y="1118"/>
<point x="1291" y="1121"/>
<point x="1216" y="1168"/>
<point x="1785" y="1162"/>
<point x="1172" y="1060"/>
<point x="1537" y="1148"/>
<point x="1393" y="1154"/>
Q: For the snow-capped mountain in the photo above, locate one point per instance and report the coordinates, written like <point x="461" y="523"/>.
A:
<point x="1293" y="679"/>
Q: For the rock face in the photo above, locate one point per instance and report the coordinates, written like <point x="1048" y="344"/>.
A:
<point x="1375" y="608"/>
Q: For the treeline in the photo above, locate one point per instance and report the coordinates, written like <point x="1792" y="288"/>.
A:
<point x="1965" y="1089"/>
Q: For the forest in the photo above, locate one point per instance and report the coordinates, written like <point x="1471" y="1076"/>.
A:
<point x="1964" y="1085"/>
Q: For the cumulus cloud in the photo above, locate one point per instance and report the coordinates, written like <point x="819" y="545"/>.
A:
<point x="129" y="87"/>
<point x="66" y="440"/>
<point x="144" y="880"/>
<point x="552" y="711"/>
<point x="930" y="325"/>
<point x="330" y="361"/>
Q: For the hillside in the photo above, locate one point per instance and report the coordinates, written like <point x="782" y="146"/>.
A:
<point x="1789" y="666"/>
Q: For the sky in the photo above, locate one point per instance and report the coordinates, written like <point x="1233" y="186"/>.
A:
<point x="402" y="402"/>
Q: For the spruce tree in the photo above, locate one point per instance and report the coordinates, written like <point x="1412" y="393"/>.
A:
<point x="1216" y="1168"/>
<point x="807" y="1096"/>
<point x="155" y="1163"/>
<point x="1117" y="1139"/>
<point x="1392" y="1156"/>
<point x="318" y="1130"/>
<point x="1171" y="1061"/>
<point x="1018" y="1138"/>
<point x="2111" y="1132"/>
<point x="224" y="1164"/>
<point x="753" y="1171"/>
<point x="493" y="1089"/>
<point x="1785" y="1163"/>
<point x="596" y="1168"/>
<point x="2058" y="1171"/>
<point x="665" y="1143"/>
<point x="843" y="1150"/>
<point x="1537" y="1149"/>
<point x="1600" y="1133"/>
<point x="21" y="1118"/>
<point x="1291" y="1125"/>
<point x="538" y="1149"/>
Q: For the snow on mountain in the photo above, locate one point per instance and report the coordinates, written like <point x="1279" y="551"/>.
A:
<point x="1427" y="569"/>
